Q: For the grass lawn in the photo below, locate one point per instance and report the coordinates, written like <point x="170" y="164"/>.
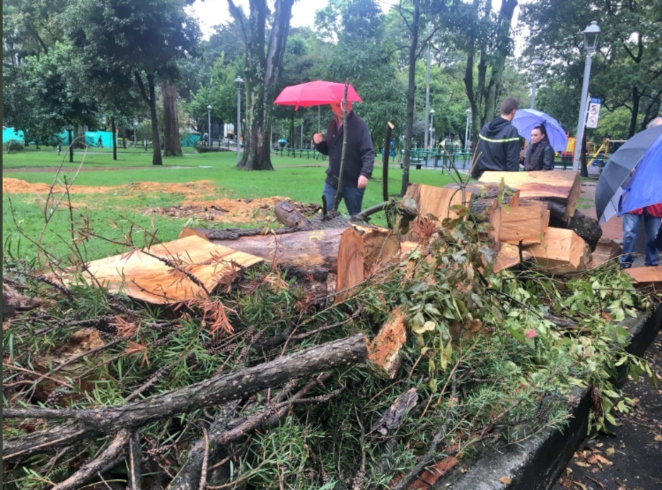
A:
<point x="301" y="179"/>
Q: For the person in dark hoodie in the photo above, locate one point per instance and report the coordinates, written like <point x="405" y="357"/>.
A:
<point x="359" y="158"/>
<point x="539" y="154"/>
<point x="498" y="144"/>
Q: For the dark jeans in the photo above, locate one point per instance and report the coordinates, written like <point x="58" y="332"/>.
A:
<point x="630" y="228"/>
<point x="353" y="197"/>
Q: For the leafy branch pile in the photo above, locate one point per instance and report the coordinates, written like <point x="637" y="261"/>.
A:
<point x="266" y="384"/>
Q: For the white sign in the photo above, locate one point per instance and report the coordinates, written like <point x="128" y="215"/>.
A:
<point x="593" y="113"/>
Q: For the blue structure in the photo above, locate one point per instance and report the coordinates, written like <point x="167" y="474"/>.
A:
<point x="9" y="134"/>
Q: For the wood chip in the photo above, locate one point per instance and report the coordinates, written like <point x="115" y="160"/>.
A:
<point x="505" y="480"/>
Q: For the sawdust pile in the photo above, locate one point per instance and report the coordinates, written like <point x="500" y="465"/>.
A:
<point x="17" y="186"/>
<point x="227" y="210"/>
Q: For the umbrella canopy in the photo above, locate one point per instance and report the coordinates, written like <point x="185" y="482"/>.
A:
<point x="617" y="170"/>
<point x="318" y="92"/>
<point x="645" y="186"/>
<point x="527" y="119"/>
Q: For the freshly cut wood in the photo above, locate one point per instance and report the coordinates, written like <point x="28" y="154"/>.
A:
<point x="509" y="256"/>
<point x="408" y="247"/>
<point x="586" y="227"/>
<point x="160" y="275"/>
<point x="605" y="251"/>
<point x="385" y="348"/>
<point x="560" y="189"/>
<point x="290" y="216"/>
<point x="520" y="224"/>
<point x="436" y="201"/>
<point x="484" y="195"/>
<point x="210" y="392"/>
<point x="646" y="277"/>
<point x="350" y="263"/>
<point x="561" y="251"/>
<point x="380" y="246"/>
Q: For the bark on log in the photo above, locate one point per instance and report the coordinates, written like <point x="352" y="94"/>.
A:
<point x="484" y="195"/>
<point x="287" y="214"/>
<point x="587" y="228"/>
<point x="171" y="144"/>
<point x="397" y="412"/>
<point x="221" y="389"/>
<point x="213" y="234"/>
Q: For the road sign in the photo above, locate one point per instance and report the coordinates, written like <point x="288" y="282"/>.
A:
<point x="593" y="113"/>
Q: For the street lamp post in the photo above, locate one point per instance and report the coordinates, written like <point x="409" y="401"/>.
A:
<point x="238" y="81"/>
<point x="537" y="68"/>
<point x="209" y="125"/>
<point x="466" y="131"/>
<point x="431" y="127"/>
<point x="591" y="34"/>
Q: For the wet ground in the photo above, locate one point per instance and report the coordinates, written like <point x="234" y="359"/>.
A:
<point x="631" y="459"/>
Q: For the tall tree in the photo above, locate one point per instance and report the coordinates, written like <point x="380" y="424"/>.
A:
<point x="137" y="40"/>
<point x="264" y="59"/>
<point x="171" y="142"/>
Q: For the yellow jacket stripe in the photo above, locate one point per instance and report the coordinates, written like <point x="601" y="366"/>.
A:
<point x="507" y="140"/>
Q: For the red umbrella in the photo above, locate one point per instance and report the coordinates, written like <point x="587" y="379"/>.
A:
<point x="318" y="92"/>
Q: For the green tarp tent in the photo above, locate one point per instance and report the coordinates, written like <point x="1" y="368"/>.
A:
<point x="92" y="138"/>
<point x="11" y="134"/>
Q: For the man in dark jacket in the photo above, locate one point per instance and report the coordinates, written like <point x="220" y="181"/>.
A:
<point x="498" y="144"/>
<point x="539" y="154"/>
<point x="359" y="158"/>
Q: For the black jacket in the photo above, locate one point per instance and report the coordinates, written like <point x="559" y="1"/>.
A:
<point x="360" y="156"/>
<point x="544" y="163"/>
<point x="498" y="148"/>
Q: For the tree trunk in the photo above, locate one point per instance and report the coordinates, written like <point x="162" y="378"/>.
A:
<point x="263" y="67"/>
<point x="71" y="146"/>
<point x="172" y="145"/>
<point x="112" y="128"/>
<point x="636" y="98"/>
<point x="584" y="168"/>
<point x="411" y="92"/>
<point x="156" y="139"/>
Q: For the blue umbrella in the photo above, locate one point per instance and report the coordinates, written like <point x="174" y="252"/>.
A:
<point x="527" y="119"/>
<point x="645" y="186"/>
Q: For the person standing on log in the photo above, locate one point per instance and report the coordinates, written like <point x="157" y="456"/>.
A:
<point x="539" y="154"/>
<point x="498" y="144"/>
<point x="359" y="159"/>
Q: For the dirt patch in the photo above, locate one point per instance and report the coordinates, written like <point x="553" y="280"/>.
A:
<point x="230" y="210"/>
<point x="190" y="190"/>
<point x="17" y="186"/>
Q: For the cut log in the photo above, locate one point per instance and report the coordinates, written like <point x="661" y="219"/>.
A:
<point x="485" y="194"/>
<point x="436" y="201"/>
<point x="380" y="246"/>
<point x="290" y="216"/>
<point x="145" y="277"/>
<point x="509" y="256"/>
<point x="560" y="189"/>
<point x="586" y="227"/>
<point x="606" y="250"/>
<point x="211" y="234"/>
<point x="385" y="348"/>
<point x="520" y="224"/>
<point x="561" y="251"/>
<point x="646" y="277"/>
<point x="211" y="392"/>
<point x="350" y="263"/>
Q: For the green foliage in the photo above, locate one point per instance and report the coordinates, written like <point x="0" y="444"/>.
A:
<point x="14" y="146"/>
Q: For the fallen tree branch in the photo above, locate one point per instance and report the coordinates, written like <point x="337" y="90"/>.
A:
<point x="93" y="467"/>
<point x="220" y="389"/>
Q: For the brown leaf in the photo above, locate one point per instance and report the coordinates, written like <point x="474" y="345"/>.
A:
<point x="582" y="464"/>
<point x="505" y="480"/>
<point x="596" y="458"/>
<point x="610" y="451"/>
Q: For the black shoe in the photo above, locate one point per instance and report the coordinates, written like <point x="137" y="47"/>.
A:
<point x="651" y="265"/>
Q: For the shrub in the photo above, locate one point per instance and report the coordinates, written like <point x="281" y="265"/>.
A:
<point x="14" y="146"/>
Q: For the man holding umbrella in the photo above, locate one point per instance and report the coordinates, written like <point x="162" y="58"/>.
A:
<point x="359" y="158"/>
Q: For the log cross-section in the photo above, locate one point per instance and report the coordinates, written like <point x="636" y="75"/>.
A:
<point x="221" y="389"/>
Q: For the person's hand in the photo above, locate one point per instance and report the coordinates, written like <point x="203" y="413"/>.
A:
<point x="318" y="138"/>
<point x="363" y="181"/>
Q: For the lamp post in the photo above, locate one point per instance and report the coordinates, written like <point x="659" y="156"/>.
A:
<point x="431" y="126"/>
<point x="536" y="66"/>
<point x="591" y="34"/>
<point x="238" y="82"/>
<point x="209" y="125"/>
<point x="466" y="131"/>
